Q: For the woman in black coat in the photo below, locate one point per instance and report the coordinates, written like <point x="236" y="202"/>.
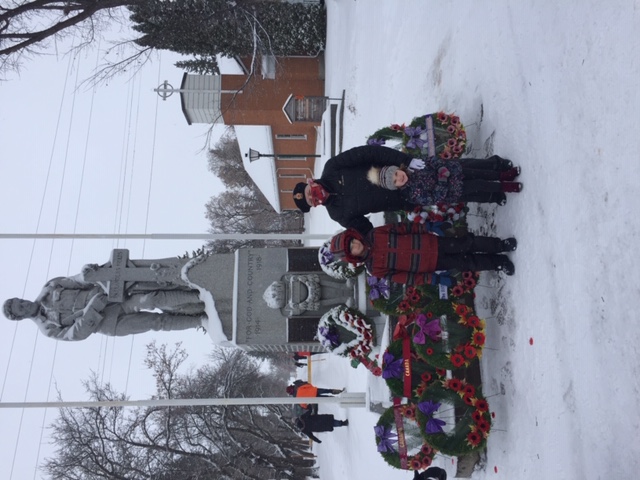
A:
<point x="309" y="423"/>
<point x="346" y="192"/>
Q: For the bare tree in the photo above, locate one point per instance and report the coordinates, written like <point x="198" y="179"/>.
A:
<point x="225" y="162"/>
<point x="26" y="26"/>
<point x="181" y="443"/>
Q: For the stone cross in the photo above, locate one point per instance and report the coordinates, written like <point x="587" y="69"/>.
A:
<point x="119" y="271"/>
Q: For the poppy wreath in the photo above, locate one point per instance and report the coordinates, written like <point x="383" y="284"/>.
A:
<point x="458" y="405"/>
<point x="442" y="212"/>
<point x="440" y="134"/>
<point x="464" y="288"/>
<point x="339" y="269"/>
<point x="394" y="369"/>
<point x="402" y="447"/>
<point x="407" y="300"/>
<point x="346" y="332"/>
<point x="449" y="343"/>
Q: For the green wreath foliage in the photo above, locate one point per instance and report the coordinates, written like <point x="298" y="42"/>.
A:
<point x="466" y="413"/>
<point x="461" y="343"/>
<point x="406" y="300"/>
<point x="419" y="453"/>
<point x="450" y="137"/>
<point x="422" y="373"/>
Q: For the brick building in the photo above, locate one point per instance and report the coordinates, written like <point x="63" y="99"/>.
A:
<point x="282" y="103"/>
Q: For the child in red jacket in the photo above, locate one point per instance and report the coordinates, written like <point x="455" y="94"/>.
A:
<point x="410" y="254"/>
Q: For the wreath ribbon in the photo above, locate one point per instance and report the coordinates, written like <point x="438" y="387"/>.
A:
<point x="400" y="332"/>
<point x="402" y="443"/>
<point x="431" y="141"/>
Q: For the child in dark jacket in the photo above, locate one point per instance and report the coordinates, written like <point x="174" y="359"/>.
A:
<point x="448" y="181"/>
<point x="409" y="254"/>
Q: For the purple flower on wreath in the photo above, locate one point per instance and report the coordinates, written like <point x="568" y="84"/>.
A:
<point x="378" y="287"/>
<point x="434" y="425"/>
<point x="326" y="256"/>
<point x="427" y="329"/>
<point x="391" y="368"/>
<point x="414" y="137"/>
<point x="387" y="438"/>
<point x="377" y="142"/>
<point x="329" y="336"/>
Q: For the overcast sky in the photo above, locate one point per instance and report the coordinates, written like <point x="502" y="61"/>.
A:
<point x="116" y="159"/>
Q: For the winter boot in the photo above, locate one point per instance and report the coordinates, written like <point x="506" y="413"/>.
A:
<point x="337" y="391"/>
<point x="510" y="174"/>
<point x="506" y="266"/>
<point x="509" y="245"/>
<point x="511" y="187"/>
<point x="502" y="164"/>
<point x="345" y="423"/>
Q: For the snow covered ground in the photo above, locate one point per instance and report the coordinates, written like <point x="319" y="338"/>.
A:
<point x="553" y="86"/>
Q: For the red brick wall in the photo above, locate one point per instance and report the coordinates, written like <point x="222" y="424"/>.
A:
<point x="261" y="104"/>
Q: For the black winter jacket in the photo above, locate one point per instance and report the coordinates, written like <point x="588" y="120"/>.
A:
<point x="309" y="423"/>
<point x="352" y="195"/>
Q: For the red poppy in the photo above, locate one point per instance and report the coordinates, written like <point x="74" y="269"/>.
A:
<point x="426" y="377"/>
<point x="429" y="315"/>
<point x="462" y="309"/>
<point x="420" y="389"/>
<point x="426" y="449"/>
<point x="410" y="291"/>
<point x="454" y="384"/>
<point x="457" y="360"/>
<point x="443" y="117"/>
<point x="458" y="149"/>
<point x="469" y="282"/>
<point x="452" y="142"/>
<point x="470" y="352"/>
<point x="469" y="389"/>
<point x="477" y="415"/>
<point x="377" y="371"/>
<point x="455" y="120"/>
<point x="426" y="462"/>
<point x="474" y="439"/>
<point x="409" y="412"/>
<point x="467" y="275"/>
<point x="469" y="399"/>
<point x="482" y="405"/>
<point x="416" y="464"/>
<point x="446" y="155"/>
<point x="483" y="426"/>
<point x="457" y="291"/>
<point x="441" y="371"/>
<point x="451" y="129"/>
<point x="415" y="297"/>
<point x="429" y="351"/>
<point x="397" y="127"/>
<point x="404" y="306"/>
<point x="479" y="338"/>
<point x="473" y="321"/>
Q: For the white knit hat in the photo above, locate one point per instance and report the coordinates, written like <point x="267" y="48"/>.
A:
<point x="383" y="177"/>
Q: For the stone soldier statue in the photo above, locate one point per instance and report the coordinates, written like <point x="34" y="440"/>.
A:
<point x="72" y="308"/>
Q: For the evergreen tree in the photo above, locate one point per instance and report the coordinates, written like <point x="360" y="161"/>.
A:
<point x="228" y="28"/>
